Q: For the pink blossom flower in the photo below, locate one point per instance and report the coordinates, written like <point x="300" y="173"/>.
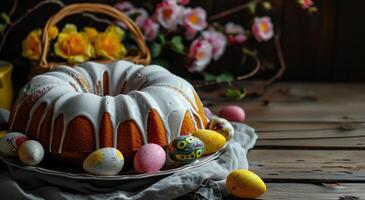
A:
<point x="169" y="14"/>
<point x="150" y="29"/>
<point x="181" y="2"/>
<point x="235" y="33"/>
<point x="129" y="10"/>
<point x="124" y="6"/>
<point x="142" y="15"/>
<point x="184" y="2"/>
<point x="306" y="3"/>
<point x="194" y="21"/>
<point x="201" y="53"/>
<point x="218" y="41"/>
<point x="263" y="29"/>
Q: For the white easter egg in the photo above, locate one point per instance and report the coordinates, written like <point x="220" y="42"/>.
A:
<point x="221" y="126"/>
<point x="10" y="143"/>
<point x="105" y="162"/>
<point x="31" y="152"/>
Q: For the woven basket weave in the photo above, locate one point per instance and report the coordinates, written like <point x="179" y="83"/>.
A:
<point x="142" y="57"/>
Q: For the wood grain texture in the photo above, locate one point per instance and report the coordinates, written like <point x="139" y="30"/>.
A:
<point x="298" y="191"/>
<point x="340" y="191"/>
<point x="293" y="102"/>
<point x="308" y="165"/>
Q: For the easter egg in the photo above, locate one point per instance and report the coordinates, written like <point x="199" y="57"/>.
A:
<point x="149" y="158"/>
<point x="213" y="141"/>
<point x="185" y="149"/>
<point x="222" y="126"/>
<point x="233" y="113"/>
<point x="208" y="113"/>
<point x="31" y="152"/>
<point x="10" y="143"/>
<point x="243" y="183"/>
<point x="107" y="161"/>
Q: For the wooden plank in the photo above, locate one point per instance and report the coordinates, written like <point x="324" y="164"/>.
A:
<point x="331" y="143"/>
<point x="300" y="103"/>
<point x="310" y="135"/>
<point x="308" y="165"/>
<point x="293" y="126"/>
<point x="338" y="191"/>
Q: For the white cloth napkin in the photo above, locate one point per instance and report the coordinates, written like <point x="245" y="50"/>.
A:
<point x="205" y="182"/>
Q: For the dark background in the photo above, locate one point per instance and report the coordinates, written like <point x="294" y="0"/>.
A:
<point x="325" y="46"/>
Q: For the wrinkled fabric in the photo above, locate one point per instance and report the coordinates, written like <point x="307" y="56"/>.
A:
<point x="204" y="182"/>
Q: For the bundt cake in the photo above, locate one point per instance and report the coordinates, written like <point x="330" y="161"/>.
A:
<point x="74" y="111"/>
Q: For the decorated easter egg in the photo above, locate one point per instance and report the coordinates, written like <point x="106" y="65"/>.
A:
<point x="222" y="126"/>
<point x="243" y="183"/>
<point x="107" y="161"/>
<point x="208" y="113"/>
<point x="10" y="143"/>
<point x="31" y="152"/>
<point x="149" y="158"/>
<point x="233" y="113"/>
<point x="213" y="141"/>
<point x="185" y="149"/>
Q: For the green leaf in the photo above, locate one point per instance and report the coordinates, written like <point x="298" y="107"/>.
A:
<point x="312" y="9"/>
<point x="224" y="77"/>
<point x="209" y="77"/>
<point x="134" y="16"/>
<point x="266" y="5"/>
<point x="249" y="52"/>
<point x="2" y="27"/>
<point x="149" y="6"/>
<point x="236" y="94"/>
<point x="5" y="17"/>
<point x="252" y="6"/>
<point x="162" y="38"/>
<point x="156" y="49"/>
<point x="177" y="44"/>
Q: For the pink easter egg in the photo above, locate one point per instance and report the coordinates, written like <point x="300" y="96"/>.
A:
<point x="233" y="113"/>
<point x="149" y="158"/>
<point x="208" y="113"/>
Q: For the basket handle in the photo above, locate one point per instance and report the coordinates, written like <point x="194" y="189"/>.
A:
<point x="143" y="57"/>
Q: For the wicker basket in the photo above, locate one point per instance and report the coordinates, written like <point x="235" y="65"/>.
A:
<point x="142" y="57"/>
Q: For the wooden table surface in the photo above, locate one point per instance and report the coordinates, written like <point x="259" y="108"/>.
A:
<point x="311" y="139"/>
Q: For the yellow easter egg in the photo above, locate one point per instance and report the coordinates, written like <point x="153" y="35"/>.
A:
<point x="2" y="133"/>
<point x="243" y="183"/>
<point x="213" y="141"/>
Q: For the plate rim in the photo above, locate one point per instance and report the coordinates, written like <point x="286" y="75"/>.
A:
<point x="84" y="176"/>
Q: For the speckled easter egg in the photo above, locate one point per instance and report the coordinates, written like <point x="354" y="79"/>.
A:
<point x="213" y="141"/>
<point x="31" y="152"/>
<point x="222" y="126"/>
<point x="149" y="158"/>
<point x="233" y="113"/>
<point x="185" y="149"/>
<point x="10" y="143"/>
<point x="104" y="162"/>
<point x="243" y="183"/>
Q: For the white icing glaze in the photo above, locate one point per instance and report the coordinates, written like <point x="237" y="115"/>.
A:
<point x="135" y="90"/>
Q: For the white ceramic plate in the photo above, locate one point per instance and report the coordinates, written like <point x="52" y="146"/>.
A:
<point x="70" y="173"/>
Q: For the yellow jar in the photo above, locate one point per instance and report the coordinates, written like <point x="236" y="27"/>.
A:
<point x="6" y="87"/>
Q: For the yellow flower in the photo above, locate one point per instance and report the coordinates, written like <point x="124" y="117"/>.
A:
<point x="73" y="46"/>
<point x="91" y="33"/>
<point x="32" y="45"/>
<point x="53" y="32"/>
<point x="108" y="44"/>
